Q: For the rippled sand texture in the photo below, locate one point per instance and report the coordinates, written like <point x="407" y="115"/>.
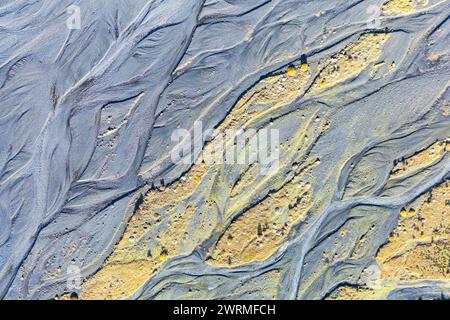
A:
<point x="358" y="207"/>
